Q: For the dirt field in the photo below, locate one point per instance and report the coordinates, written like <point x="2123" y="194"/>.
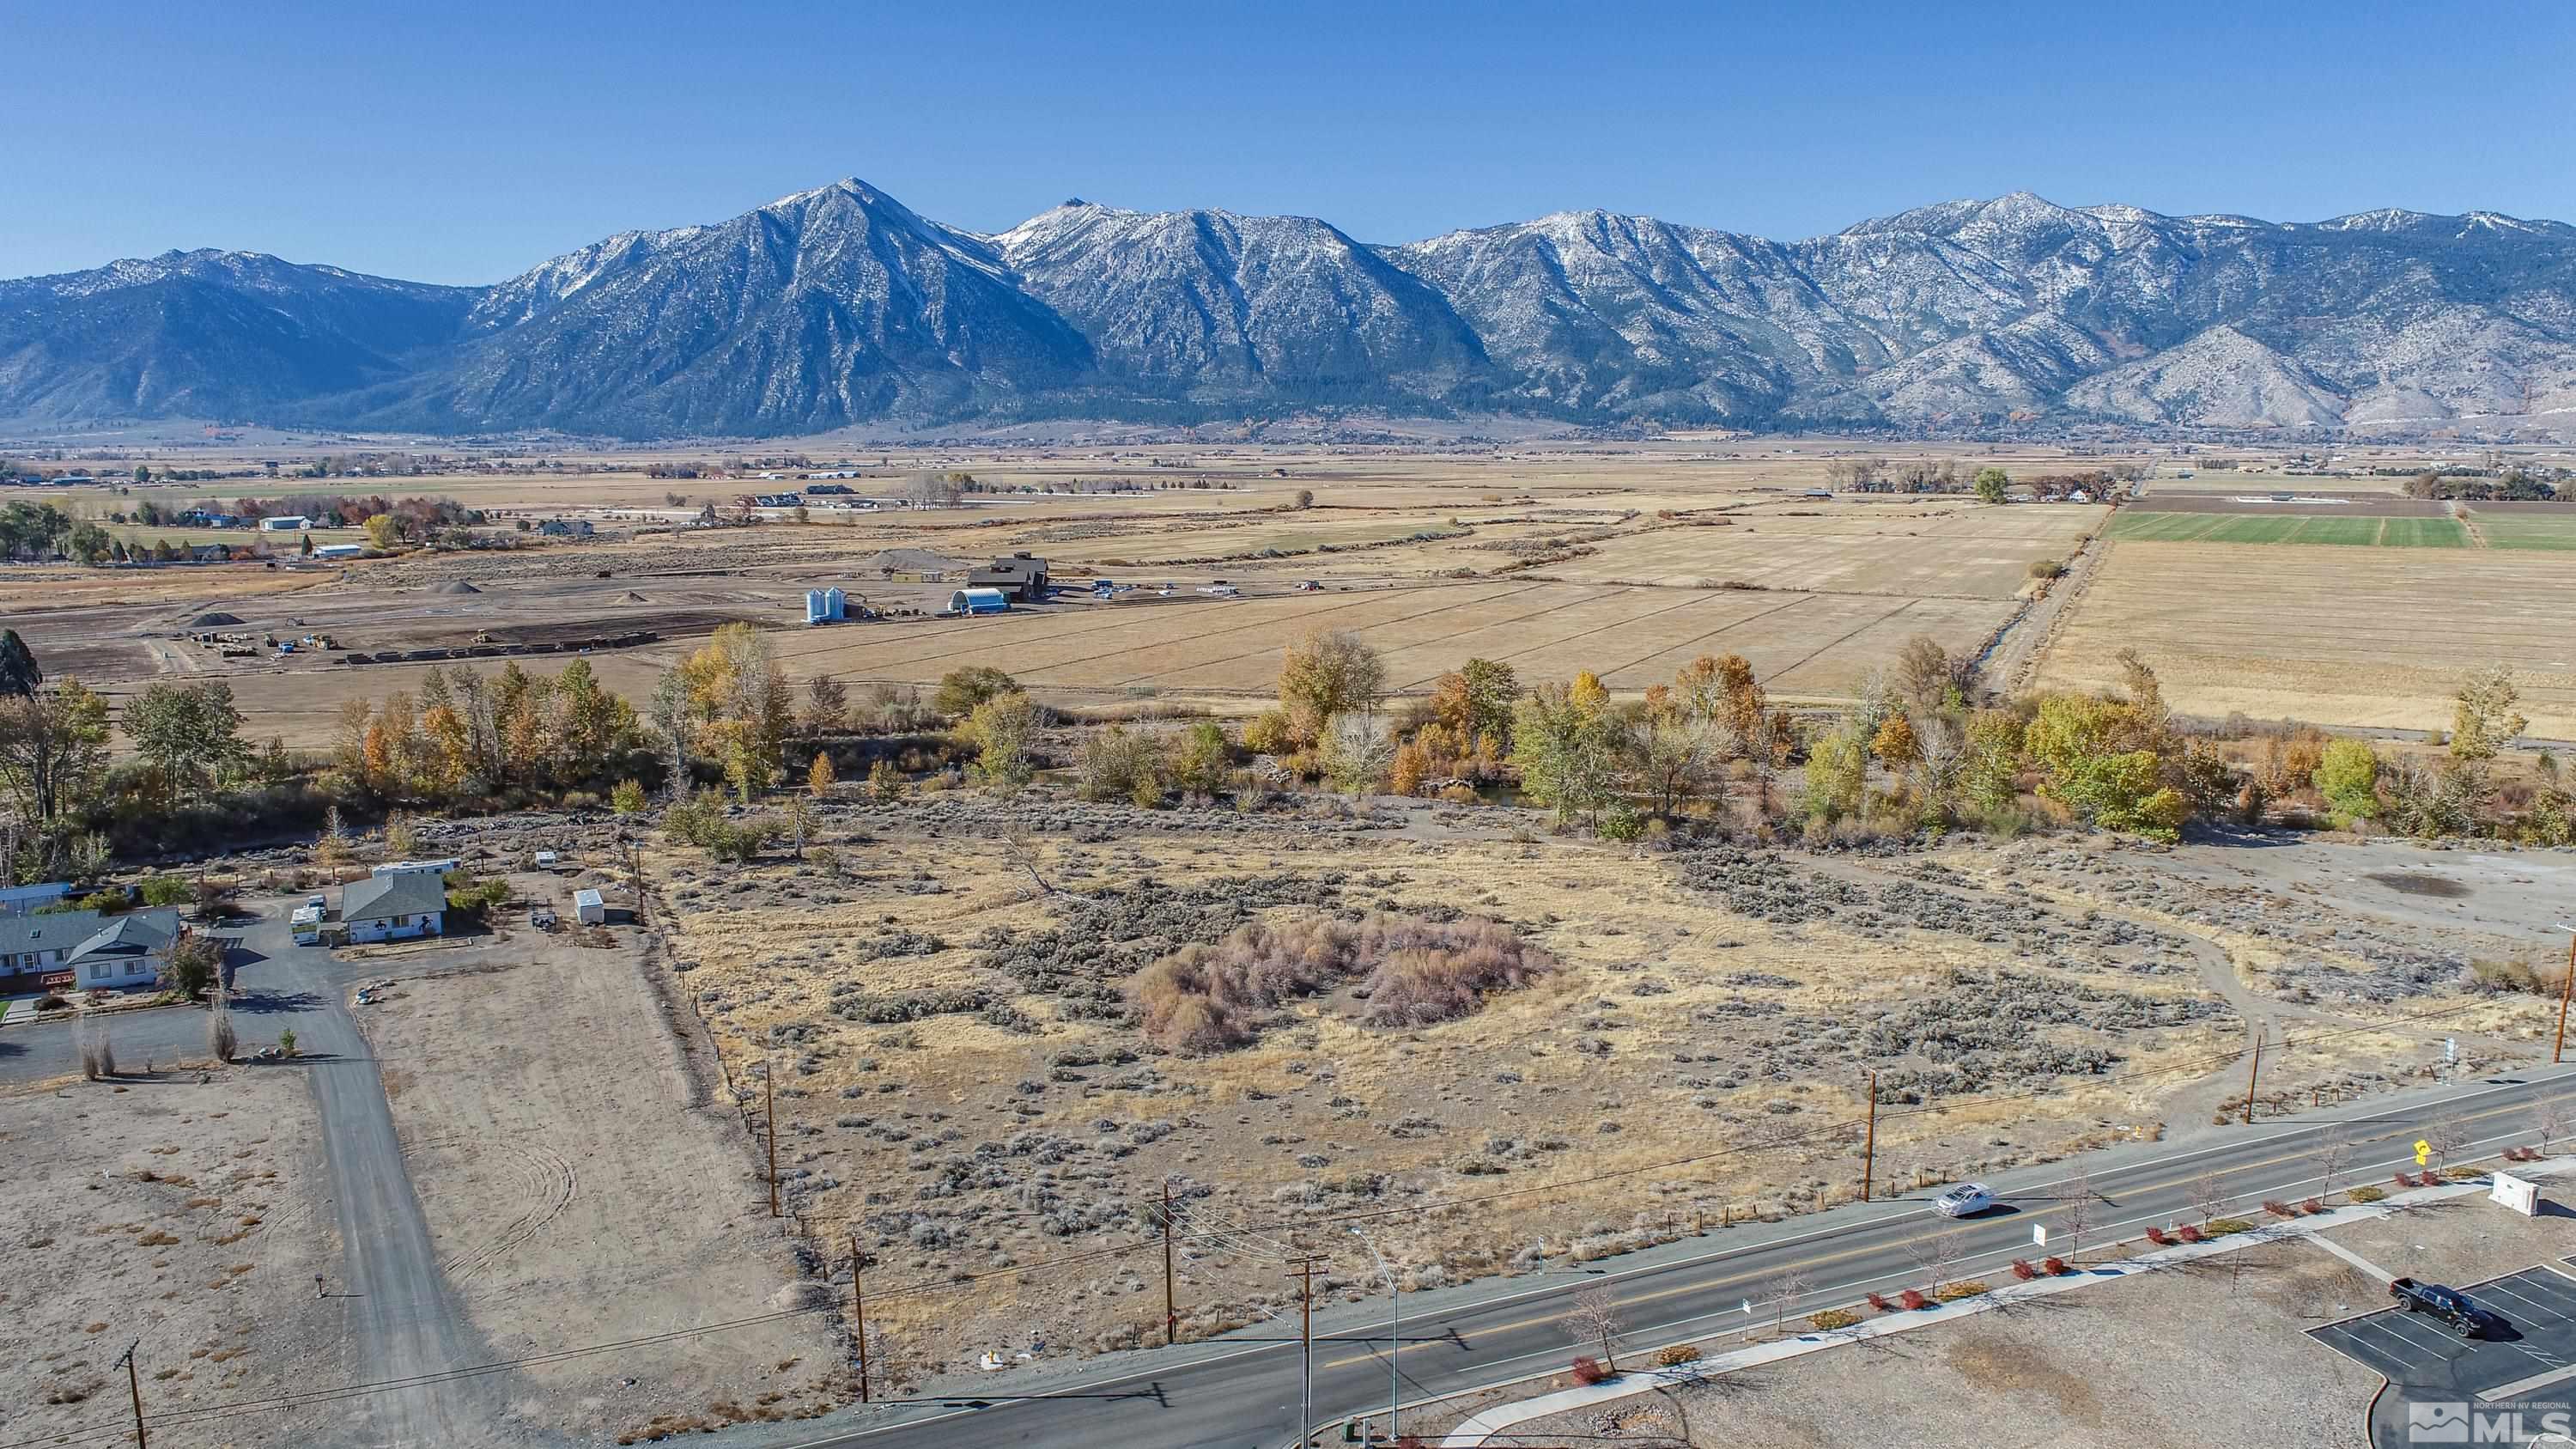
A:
<point x="582" y="1189"/>
<point x="2285" y="632"/>
<point x="971" y="1109"/>
<point x="1887" y="548"/>
<point x="185" y="1215"/>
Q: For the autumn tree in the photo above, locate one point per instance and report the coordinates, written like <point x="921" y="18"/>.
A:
<point x="1568" y="744"/>
<point x="2086" y="750"/>
<point x="960" y="690"/>
<point x="1328" y="673"/>
<point x="738" y="697"/>
<point x="819" y="778"/>
<point x="2483" y="719"/>
<point x="1475" y="701"/>
<point x="827" y="705"/>
<point x="1001" y="729"/>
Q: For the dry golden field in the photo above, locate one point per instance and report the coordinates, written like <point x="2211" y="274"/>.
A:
<point x="2337" y="636"/>
<point x="1894" y="547"/>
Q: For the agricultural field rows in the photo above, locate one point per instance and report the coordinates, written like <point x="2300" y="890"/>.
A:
<point x="2290" y="632"/>
<point x="2302" y="528"/>
<point x="2526" y="530"/>
<point x="1984" y="553"/>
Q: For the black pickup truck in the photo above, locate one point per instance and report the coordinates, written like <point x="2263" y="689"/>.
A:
<point x="2450" y="1305"/>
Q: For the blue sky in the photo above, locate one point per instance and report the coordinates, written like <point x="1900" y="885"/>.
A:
<point x="468" y="140"/>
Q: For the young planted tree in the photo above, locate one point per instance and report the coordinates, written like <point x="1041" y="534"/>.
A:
<point x="2207" y="1195"/>
<point x="1594" y="1320"/>
<point x="2332" y="1151"/>
<point x="1936" y="1257"/>
<point x="1792" y="1285"/>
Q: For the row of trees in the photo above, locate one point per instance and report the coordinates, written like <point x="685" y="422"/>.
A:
<point x="465" y="736"/>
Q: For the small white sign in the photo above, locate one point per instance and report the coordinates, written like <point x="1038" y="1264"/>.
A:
<point x="2039" y="1234"/>
<point x="1748" y="1307"/>
<point x="2520" y="1194"/>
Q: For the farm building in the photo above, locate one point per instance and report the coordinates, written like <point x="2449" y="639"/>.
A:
<point x="1021" y="576"/>
<point x="979" y="601"/>
<point x="589" y="907"/>
<point x="395" y="907"/>
<point x="292" y="523"/>
<point x="338" y="550"/>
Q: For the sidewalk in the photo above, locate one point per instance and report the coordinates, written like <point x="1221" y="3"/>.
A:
<point x="1477" y="1429"/>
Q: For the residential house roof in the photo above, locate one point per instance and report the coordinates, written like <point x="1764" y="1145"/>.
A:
<point x="378" y="897"/>
<point x="48" y="931"/>
<point x="136" y="933"/>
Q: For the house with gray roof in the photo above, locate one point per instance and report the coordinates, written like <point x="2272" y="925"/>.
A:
<point x="395" y="907"/>
<point x="85" y="950"/>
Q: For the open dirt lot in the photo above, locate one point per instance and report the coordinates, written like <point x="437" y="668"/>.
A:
<point x="182" y="1214"/>
<point x="2286" y="632"/>
<point x="582" y="1187"/>
<point x="946" y="1007"/>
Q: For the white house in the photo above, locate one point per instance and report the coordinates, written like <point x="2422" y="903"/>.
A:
<point x="395" y="907"/>
<point x="589" y="908"/>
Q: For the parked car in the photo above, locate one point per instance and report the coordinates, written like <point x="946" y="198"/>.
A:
<point x="2456" y="1309"/>
<point x="1965" y="1200"/>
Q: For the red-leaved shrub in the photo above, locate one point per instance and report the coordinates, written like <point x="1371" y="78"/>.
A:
<point x="1913" y="1298"/>
<point x="1203" y="999"/>
<point x="2023" y="1270"/>
<point x="2055" y="1267"/>
<point x="1588" y="1370"/>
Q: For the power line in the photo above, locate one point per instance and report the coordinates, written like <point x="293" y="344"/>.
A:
<point x="1256" y="1231"/>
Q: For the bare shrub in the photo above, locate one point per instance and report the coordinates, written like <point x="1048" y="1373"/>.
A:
<point x="221" y="1040"/>
<point x="96" y="1047"/>
<point x="1416" y="972"/>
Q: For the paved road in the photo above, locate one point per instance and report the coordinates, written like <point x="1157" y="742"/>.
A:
<point x="1209" y="1396"/>
<point x="389" y="1290"/>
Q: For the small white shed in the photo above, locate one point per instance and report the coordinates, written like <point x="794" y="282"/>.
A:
<point x="588" y="908"/>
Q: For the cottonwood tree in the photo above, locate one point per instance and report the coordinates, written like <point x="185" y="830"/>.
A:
<point x="2483" y="719"/>
<point x="1000" y="729"/>
<point x="1327" y="673"/>
<point x="1569" y="745"/>
<point x="1594" y="1319"/>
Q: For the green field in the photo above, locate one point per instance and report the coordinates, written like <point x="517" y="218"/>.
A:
<point x="2292" y="528"/>
<point x="2528" y="530"/>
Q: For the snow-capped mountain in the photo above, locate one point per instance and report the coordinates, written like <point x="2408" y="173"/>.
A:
<point x="840" y="305"/>
<point x="209" y="334"/>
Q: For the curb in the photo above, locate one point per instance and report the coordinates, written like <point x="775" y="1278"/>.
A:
<point x="1476" y="1430"/>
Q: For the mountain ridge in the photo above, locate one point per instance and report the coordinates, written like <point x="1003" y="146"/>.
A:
<point x="840" y="305"/>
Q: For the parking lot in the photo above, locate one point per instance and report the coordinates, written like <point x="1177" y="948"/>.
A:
<point x="2529" y="1365"/>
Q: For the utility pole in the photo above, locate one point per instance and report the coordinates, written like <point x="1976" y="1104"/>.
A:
<point x="1394" y="1337"/>
<point x="859" y="1312"/>
<point x="1869" y="1146"/>
<point x="769" y="1093"/>
<point x="1305" y="1270"/>
<point x="635" y="873"/>
<point x="2558" y="1053"/>
<point x="1171" y="1315"/>
<point x="134" y="1388"/>
<point x="2252" y="1070"/>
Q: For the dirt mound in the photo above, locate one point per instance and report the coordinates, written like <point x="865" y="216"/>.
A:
<point x="215" y="620"/>
<point x="633" y="597"/>
<point x="906" y="561"/>
<point x="458" y="587"/>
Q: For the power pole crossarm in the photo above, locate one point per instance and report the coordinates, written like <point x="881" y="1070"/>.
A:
<point x="134" y="1388"/>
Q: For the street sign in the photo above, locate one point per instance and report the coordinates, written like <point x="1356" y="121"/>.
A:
<point x="1748" y="1307"/>
<point x="2423" y="1151"/>
<point x="2039" y="1234"/>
